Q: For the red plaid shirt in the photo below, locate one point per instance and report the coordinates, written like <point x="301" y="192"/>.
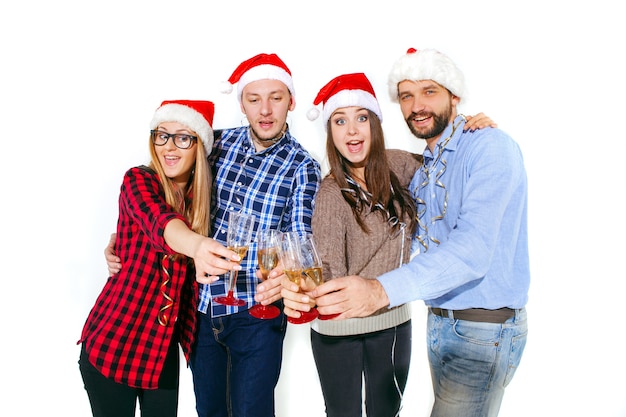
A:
<point x="125" y="336"/>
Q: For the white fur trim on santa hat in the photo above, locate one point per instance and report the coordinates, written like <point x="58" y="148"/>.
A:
<point x="351" y="98"/>
<point x="187" y="116"/>
<point x="426" y="64"/>
<point x="265" y="72"/>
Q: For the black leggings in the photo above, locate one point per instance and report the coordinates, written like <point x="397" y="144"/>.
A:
<point x="382" y="358"/>
<point x="111" y="399"/>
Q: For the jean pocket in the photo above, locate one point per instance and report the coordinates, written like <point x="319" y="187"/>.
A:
<point x="518" y="343"/>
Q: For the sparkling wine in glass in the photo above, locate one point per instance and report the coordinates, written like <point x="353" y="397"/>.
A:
<point x="291" y="256"/>
<point x="240" y="227"/>
<point x="267" y="254"/>
<point x="312" y="267"/>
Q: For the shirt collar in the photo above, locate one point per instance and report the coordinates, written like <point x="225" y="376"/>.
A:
<point x="455" y="129"/>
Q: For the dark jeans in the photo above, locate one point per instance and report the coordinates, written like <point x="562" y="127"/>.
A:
<point x="235" y="364"/>
<point x="381" y="357"/>
<point x="111" y="399"/>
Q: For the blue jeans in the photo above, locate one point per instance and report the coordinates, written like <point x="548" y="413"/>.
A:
<point x="471" y="363"/>
<point x="235" y="364"/>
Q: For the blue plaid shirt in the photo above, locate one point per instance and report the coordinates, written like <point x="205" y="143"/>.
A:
<point x="278" y="185"/>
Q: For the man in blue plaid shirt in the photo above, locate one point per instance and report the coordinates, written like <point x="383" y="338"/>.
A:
<point x="263" y="170"/>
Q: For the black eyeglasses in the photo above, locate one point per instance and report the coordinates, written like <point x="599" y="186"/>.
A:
<point x="181" y="141"/>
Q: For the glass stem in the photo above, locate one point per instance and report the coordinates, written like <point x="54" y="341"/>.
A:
<point x="232" y="281"/>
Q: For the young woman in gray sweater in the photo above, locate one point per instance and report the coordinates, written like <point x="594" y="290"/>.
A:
<point x="363" y="223"/>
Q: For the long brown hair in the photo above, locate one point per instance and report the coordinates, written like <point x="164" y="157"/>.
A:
<point x="382" y="183"/>
<point x="193" y="202"/>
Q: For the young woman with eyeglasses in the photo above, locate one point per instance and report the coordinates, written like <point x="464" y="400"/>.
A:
<point x="130" y="339"/>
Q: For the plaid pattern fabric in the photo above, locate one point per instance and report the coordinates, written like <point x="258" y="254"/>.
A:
<point x="277" y="185"/>
<point x="122" y="334"/>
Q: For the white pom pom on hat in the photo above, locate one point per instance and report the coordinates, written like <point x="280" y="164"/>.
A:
<point x="347" y="90"/>
<point x="259" y="67"/>
<point x="197" y="115"/>
<point x="426" y="64"/>
<point x="312" y="114"/>
<point x="226" y="87"/>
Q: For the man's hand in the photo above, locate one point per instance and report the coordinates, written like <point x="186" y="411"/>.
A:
<point x="350" y="296"/>
<point x="268" y="291"/>
<point x="480" y="121"/>
<point x="114" y="263"/>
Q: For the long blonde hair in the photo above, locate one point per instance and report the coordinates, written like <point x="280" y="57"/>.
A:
<point x="194" y="202"/>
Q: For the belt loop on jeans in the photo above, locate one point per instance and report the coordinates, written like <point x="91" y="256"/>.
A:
<point x="476" y="314"/>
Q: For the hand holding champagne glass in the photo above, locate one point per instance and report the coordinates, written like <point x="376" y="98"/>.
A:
<point x="240" y="227"/>
<point x="312" y="266"/>
<point x="291" y="257"/>
<point x="267" y="254"/>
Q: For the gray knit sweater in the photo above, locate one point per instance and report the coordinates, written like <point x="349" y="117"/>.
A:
<point x="346" y="250"/>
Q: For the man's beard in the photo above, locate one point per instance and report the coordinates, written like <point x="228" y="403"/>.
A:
<point x="441" y="121"/>
<point x="274" y="138"/>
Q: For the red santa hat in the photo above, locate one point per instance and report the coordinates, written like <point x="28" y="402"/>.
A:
<point x="195" y="114"/>
<point x="347" y="90"/>
<point x="259" y="67"/>
<point x="426" y="64"/>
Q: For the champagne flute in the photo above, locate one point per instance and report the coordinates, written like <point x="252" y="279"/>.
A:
<point x="291" y="257"/>
<point x="267" y="254"/>
<point x="312" y="267"/>
<point x="240" y="226"/>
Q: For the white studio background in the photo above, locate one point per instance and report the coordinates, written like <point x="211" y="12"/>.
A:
<point x="79" y="82"/>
